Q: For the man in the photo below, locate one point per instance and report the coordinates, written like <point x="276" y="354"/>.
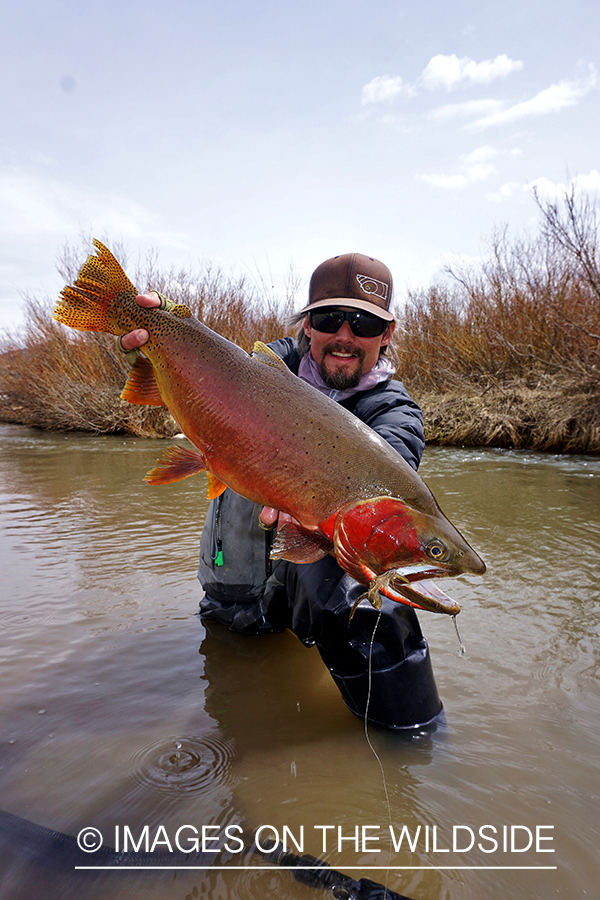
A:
<point x="381" y="666"/>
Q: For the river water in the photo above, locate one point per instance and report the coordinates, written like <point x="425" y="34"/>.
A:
<point x="119" y="712"/>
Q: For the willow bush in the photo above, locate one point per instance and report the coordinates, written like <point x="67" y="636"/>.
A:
<point x="505" y="352"/>
<point x="55" y="378"/>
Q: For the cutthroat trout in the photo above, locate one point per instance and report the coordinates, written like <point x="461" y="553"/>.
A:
<point x="269" y="436"/>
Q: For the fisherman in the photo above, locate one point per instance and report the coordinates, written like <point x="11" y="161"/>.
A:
<point x="343" y="349"/>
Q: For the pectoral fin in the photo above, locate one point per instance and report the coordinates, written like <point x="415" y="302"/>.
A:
<point x="298" y="545"/>
<point x="141" y="386"/>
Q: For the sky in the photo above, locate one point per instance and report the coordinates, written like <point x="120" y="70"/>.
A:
<point x="264" y="137"/>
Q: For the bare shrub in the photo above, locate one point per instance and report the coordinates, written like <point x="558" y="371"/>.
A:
<point x="530" y="310"/>
<point x="55" y="378"/>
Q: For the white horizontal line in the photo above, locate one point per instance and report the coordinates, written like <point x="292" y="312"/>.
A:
<point x="316" y="868"/>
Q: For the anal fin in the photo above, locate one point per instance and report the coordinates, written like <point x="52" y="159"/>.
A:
<point x="141" y="386"/>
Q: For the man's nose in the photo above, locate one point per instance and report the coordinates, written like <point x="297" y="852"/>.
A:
<point x="345" y="332"/>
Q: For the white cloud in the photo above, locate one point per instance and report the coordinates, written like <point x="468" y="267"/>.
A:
<point x="468" y="109"/>
<point x="475" y="166"/>
<point x="481" y="154"/>
<point x="450" y="72"/>
<point x="34" y="206"/>
<point x="472" y="172"/>
<point x="30" y="204"/>
<point x="382" y="88"/>
<point x="589" y="183"/>
<point x="506" y="191"/>
<point x="447" y="72"/>
<point x="449" y="182"/>
<point x="552" y="190"/>
<point x="550" y="100"/>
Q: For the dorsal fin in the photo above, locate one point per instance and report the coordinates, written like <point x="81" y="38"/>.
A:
<point x="141" y="386"/>
<point x="264" y="354"/>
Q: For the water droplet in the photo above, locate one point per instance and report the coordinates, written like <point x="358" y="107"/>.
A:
<point x="41" y="712"/>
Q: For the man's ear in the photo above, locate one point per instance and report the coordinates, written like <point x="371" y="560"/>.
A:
<point x="388" y="334"/>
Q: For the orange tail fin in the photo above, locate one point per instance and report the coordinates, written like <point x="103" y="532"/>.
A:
<point x="85" y="304"/>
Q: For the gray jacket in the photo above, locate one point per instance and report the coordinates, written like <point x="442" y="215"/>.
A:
<point x="234" y="551"/>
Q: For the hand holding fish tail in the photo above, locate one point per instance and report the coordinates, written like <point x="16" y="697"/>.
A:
<point x="130" y="343"/>
<point x="269" y="436"/>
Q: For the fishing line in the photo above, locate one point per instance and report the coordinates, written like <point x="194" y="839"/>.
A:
<point x="373" y="750"/>
<point x="462" y="650"/>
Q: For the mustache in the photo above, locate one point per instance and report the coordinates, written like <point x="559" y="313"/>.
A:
<point x="343" y="347"/>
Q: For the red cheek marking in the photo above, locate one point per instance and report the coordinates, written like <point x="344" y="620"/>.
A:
<point x="380" y="533"/>
<point x="395" y="541"/>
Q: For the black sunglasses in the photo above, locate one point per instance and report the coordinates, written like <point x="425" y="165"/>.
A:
<point x="363" y="324"/>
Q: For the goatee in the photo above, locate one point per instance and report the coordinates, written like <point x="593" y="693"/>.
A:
<point x="341" y="380"/>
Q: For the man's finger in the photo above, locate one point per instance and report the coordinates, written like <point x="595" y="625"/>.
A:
<point x="134" y="339"/>
<point x="269" y="516"/>
<point x="149" y="300"/>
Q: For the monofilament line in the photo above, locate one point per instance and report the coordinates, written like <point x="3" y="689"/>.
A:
<point x="373" y="751"/>
<point x="462" y="650"/>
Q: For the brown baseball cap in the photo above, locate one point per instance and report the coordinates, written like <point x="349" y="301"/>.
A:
<point x="353" y="280"/>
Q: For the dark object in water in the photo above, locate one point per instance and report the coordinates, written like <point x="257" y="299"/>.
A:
<point x="29" y="852"/>
<point x="340" y="886"/>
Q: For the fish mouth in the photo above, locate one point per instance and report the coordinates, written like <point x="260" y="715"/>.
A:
<point x="421" y="593"/>
<point x="424" y="594"/>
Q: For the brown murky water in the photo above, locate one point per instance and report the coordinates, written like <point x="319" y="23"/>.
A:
<point x="117" y="711"/>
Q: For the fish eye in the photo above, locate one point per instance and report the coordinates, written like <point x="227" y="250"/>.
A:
<point x="436" y="550"/>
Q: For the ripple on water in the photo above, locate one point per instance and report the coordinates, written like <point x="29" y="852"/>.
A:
<point x="25" y="619"/>
<point x="183" y="763"/>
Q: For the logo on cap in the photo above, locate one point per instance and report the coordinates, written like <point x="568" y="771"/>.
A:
<point x="373" y="286"/>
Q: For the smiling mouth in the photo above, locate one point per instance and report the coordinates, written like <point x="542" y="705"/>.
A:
<point x="339" y="355"/>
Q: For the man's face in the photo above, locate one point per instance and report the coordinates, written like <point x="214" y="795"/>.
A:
<point x="342" y="357"/>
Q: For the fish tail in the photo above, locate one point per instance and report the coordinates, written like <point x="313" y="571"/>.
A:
<point x="85" y="305"/>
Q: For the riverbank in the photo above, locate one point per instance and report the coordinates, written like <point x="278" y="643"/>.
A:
<point x="557" y="417"/>
<point x="504" y="354"/>
<point x="552" y="416"/>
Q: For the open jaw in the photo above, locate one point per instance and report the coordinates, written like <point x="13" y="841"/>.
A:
<point x="420" y="593"/>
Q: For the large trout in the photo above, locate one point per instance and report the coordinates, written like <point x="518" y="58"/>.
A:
<point x="269" y="436"/>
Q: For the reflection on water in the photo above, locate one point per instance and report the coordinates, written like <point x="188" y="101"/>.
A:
<point x="118" y="708"/>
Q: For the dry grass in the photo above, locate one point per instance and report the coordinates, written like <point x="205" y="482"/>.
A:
<point x="507" y="353"/>
<point x="554" y="416"/>
<point x="54" y="378"/>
